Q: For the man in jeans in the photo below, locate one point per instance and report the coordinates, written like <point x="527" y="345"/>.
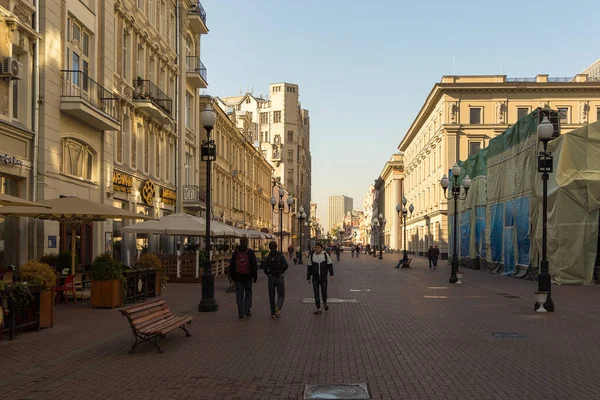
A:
<point x="319" y="265"/>
<point x="274" y="266"/>
<point x="243" y="270"/>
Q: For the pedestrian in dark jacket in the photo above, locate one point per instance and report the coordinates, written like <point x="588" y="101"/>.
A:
<point x="430" y="256"/>
<point x="243" y="270"/>
<point x="274" y="266"/>
<point x="436" y="255"/>
<point x="319" y="265"/>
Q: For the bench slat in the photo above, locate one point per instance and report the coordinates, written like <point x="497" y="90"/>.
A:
<point x="148" y="311"/>
<point x="157" y="325"/>
<point x="167" y="326"/>
<point x="158" y="313"/>
<point x="142" y="307"/>
<point x="180" y="323"/>
<point x="158" y="319"/>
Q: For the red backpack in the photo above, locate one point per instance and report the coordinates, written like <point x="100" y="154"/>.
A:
<point x="242" y="263"/>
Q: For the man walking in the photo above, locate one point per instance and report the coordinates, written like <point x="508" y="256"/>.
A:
<point x="430" y="255"/>
<point x="338" y="252"/>
<point x="243" y="270"/>
<point x="319" y="265"/>
<point x="436" y="255"/>
<point x="357" y="250"/>
<point x="274" y="266"/>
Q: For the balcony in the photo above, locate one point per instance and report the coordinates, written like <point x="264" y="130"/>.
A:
<point x="194" y="197"/>
<point x="197" y="17"/>
<point x="196" y="72"/>
<point x="85" y="99"/>
<point x="152" y="101"/>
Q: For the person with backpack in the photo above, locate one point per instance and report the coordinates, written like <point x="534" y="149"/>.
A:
<point x="243" y="270"/>
<point x="274" y="266"/>
<point x="319" y="265"/>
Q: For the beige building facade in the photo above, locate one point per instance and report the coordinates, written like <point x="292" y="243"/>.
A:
<point x="389" y="187"/>
<point x="459" y="117"/>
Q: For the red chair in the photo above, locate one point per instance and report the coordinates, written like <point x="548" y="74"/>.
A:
<point x="69" y="286"/>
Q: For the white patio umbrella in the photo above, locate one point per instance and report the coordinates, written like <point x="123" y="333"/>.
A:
<point x="8" y="200"/>
<point x="71" y="210"/>
<point x="182" y="224"/>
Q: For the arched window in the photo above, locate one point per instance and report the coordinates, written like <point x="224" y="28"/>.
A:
<point x="78" y="159"/>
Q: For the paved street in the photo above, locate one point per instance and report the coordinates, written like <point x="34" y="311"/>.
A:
<point x="409" y="336"/>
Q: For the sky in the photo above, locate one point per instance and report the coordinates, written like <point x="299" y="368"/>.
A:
<point x="365" y="68"/>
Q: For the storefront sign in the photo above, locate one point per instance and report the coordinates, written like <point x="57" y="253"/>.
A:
<point x="122" y="182"/>
<point x="51" y="242"/>
<point x="6" y="159"/>
<point x="168" y="196"/>
<point x="148" y="192"/>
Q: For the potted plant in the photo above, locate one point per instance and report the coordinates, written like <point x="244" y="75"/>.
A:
<point x="41" y="274"/>
<point x="107" y="282"/>
<point x="151" y="261"/>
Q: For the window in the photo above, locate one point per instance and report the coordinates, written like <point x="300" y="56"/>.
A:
<point x="474" y="148"/>
<point x="276" y="116"/>
<point x="247" y="100"/>
<point x="264" y="117"/>
<point x="522" y="112"/>
<point x="290" y="174"/>
<point x="78" y="159"/>
<point x="125" y="56"/>
<point x="139" y="62"/>
<point x="290" y="137"/>
<point x="563" y="113"/>
<point x="78" y="53"/>
<point x="140" y="4"/>
<point x="475" y="115"/>
<point x="163" y="18"/>
<point x="188" y="110"/>
<point x="290" y="155"/>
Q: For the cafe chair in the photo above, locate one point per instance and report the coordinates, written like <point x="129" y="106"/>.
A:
<point x="68" y="286"/>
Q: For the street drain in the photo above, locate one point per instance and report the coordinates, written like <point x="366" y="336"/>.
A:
<point x="508" y="335"/>
<point x="311" y="300"/>
<point x="508" y="295"/>
<point x="337" y="391"/>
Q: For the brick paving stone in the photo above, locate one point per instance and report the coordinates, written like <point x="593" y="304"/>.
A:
<point x="406" y="338"/>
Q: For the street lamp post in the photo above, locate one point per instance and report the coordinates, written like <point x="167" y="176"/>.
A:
<point x="401" y="210"/>
<point x="208" y="154"/>
<point x="544" y="131"/>
<point x="455" y="194"/>
<point x="375" y="225"/>
<point x="301" y="217"/>
<point x="341" y="234"/>
<point x="381" y="226"/>
<point x="281" y="209"/>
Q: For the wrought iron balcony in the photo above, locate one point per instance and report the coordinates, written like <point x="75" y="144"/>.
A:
<point x="197" y="17"/>
<point x="146" y="91"/>
<point x="196" y="72"/>
<point x="194" y="195"/>
<point x="87" y="100"/>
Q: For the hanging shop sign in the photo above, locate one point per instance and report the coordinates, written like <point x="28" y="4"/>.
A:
<point x="148" y="192"/>
<point x="122" y="182"/>
<point x="168" y="196"/>
<point x="12" y="160"/>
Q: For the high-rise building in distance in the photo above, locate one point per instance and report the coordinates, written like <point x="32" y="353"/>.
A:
<point x="338" y="207"/>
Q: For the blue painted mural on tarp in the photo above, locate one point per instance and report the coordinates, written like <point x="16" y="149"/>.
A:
<point x="497" y="225"/>
<point x="465" y="233"/>
<point x="521" y="208"/>
<point x="480" y="231"/>
<point x="509" y="237"/>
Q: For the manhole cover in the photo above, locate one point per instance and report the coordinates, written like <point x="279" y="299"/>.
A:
<point x="337" y="391"/>
<point x="508" y="335"/>
<point x="311" y="300"/>
<point x="508" y="295"/>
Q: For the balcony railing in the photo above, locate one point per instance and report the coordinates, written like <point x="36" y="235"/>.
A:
<point x="194" y="194"/>
<point x="196" y="8"/>
<point x="194" y="64"/>
<point x="77" y="84"/>
<point x="146" y="90"/>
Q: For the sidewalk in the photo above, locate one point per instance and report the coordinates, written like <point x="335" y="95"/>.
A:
<point x="410" y="335"/>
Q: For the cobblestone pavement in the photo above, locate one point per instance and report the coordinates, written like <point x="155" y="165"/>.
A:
<point x="411" y="335"/>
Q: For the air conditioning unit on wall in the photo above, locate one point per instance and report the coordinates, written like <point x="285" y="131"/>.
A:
<point x="10" y="68"/>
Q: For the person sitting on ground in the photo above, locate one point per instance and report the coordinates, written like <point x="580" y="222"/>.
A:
<point x="403" y="261"/>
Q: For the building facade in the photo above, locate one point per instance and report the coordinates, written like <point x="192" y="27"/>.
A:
<point x="459" y="117"/>
<point x="280" y="128"/>
<point x="389" y="186"/>
<point x="339" y="205"/>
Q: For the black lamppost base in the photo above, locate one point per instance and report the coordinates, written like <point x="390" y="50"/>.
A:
<point x="545" y="285"/>
<point x="453" y="277"/>
<point x="208" y="302"/>
<point x="548" y="305"/>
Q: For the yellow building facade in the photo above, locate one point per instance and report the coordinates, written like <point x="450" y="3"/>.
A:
<point x="388" y="187"/>
<point x="459" y="117"/>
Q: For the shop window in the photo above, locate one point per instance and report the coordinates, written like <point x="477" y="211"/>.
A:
<point x="78" y="159"/>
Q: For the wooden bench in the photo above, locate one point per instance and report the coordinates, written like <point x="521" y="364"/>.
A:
<point x="153" y="320"/>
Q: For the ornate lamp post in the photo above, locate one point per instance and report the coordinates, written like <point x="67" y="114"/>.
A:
<point x="208" y="154"/>
<point x="281" y="209"/>
<point x="301" y="217"/>
<point x="374" y="229"/>
<point x="544" y="131"/>
<point x="381" y="221"/>
<point x="401" y="210"/>
<point x="455" y="194"/>
<point x="340" y="235"/>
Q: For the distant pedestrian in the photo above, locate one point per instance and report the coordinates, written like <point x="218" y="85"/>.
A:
<point x="243" y="270"/>
<point x="290" y="251"/>
<point x="352" y="249"/>
<point x="430" y="255"/>
<point x="274" y="267"/>
<point x="319" y="265"/>
<point x="357" y="250"/>
<point x="436" y="255"/>
<point x="338" y="252"/>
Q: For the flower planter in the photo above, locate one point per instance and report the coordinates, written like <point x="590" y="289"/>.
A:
<point x="47" y="309"/>
<point x="107" y="294"/>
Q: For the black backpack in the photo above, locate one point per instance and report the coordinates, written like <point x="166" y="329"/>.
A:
<point x="274" y="265"/>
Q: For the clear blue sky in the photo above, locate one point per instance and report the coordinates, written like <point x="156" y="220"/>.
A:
<point x="365" y="68"/>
